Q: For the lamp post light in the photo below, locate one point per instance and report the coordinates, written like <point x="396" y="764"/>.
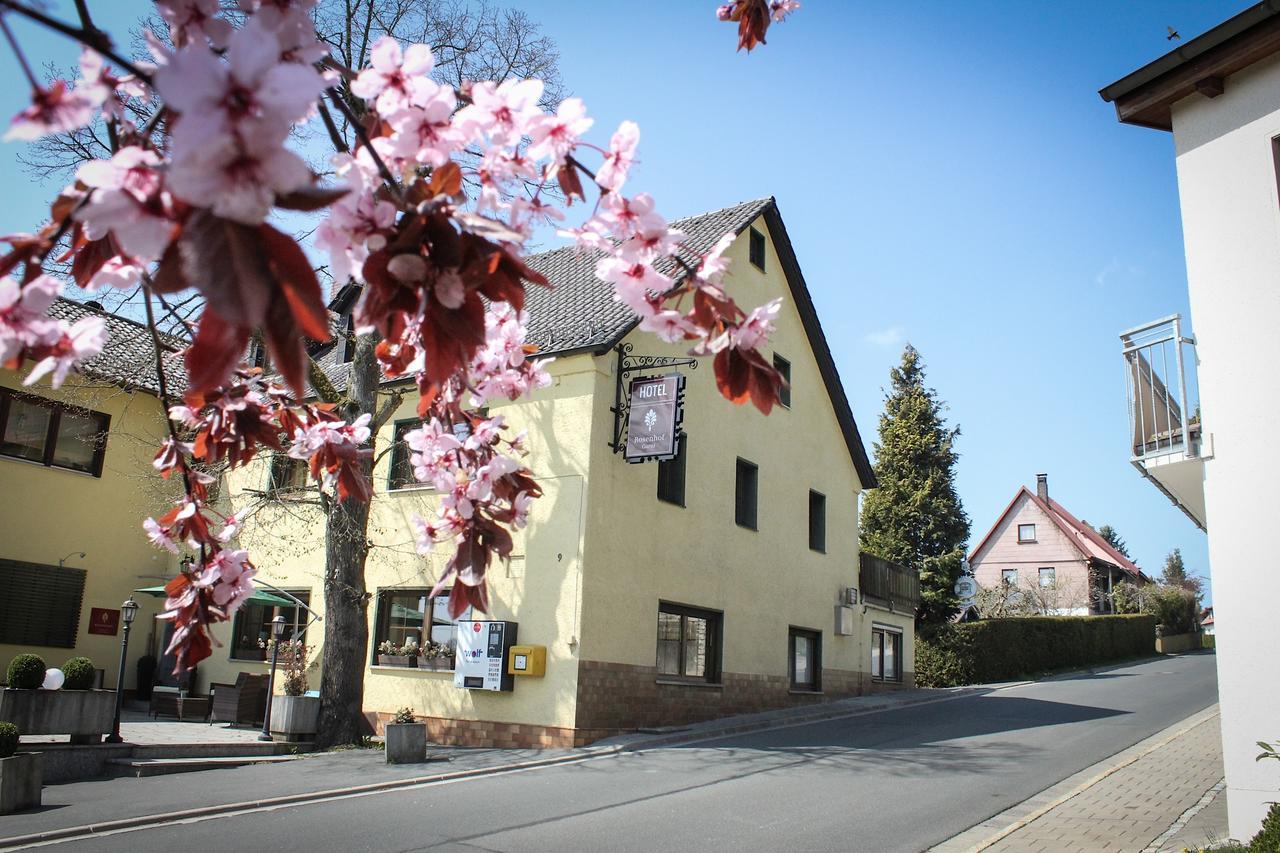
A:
<point x="128" y="611"/>
<point x="277" y="634"/>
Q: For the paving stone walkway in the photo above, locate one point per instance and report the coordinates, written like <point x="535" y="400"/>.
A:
<point x="139" y="728"/>
<point x="1163" y="801"/>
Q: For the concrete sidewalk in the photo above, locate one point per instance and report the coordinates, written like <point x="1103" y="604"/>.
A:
<point x="1160" y="796"/>
<point x="87" y="807"/>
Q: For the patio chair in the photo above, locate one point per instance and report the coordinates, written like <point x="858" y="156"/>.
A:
<point x="242" y="702"/>
<point x="164" y="700"/>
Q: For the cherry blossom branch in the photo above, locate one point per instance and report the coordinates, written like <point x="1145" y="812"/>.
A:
<point x="95" y="39"/>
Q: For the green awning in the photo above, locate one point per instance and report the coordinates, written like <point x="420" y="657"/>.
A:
<point x="260" y="596"/>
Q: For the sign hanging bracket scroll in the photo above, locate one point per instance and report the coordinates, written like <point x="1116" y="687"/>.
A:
<point x="648" y="407"/>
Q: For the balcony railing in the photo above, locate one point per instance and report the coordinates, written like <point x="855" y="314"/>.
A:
<point x="888" y="584"/>
<point x="1164" y="409"/>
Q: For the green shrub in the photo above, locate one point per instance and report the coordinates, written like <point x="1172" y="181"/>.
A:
<point x="26" y="672"/>
<point x="8" y="739"/>
<point x="1268" y="838"/>
<point x="79" y="673"/>
<point x="1006" y="649"/>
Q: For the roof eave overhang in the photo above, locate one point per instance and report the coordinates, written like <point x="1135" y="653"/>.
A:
<point x="1146" y="97"/>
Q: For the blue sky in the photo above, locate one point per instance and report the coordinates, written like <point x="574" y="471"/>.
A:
<point x="949" y="177"/>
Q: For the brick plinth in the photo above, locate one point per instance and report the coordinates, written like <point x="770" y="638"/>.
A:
<point x="622" y="697"/>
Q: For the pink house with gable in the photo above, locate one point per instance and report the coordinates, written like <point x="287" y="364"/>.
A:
<point x="1036" y="541"/>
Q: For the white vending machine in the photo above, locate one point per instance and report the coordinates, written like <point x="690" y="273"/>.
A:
<point x="480" y="662"/>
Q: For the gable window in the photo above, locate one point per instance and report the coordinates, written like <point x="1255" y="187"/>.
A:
<point x="671" y="475"/>
<point x="1048" y="577"/>
<point x="755" y="249"/>
<point x="817" y="521"/>
<point x="688" y="642"/>
<point x="783" y="366"/>
<point x="412" y="617"/>
<point x="886" y="654"/>
<point x="288" y="474"/>
<point x="40" y="605"/>
<point x="804" y="647"/>
<point x="745" y="494"/>
<point x="51" y="434"/>
<point x="1009" y="577"/>
<point x="252" y="626"/>
<point x="401" y="476"/>
<point x="1026" y="533"/>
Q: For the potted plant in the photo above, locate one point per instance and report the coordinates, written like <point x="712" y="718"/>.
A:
<point x="20" y="775"/>
<point x="391" y="655"/>
<point x="438" y="656"/>
<point x="406" y="739"/>
<point x="83" y="714"/>
<point x="295" y="715"/>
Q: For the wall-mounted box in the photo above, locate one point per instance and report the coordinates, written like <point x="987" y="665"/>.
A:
<point x="844" y="621"/>
<point x="527" y="660"/>
<point x="482" y="647"/>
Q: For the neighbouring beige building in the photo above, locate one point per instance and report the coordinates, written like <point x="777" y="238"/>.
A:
<point x="720" y="582"/>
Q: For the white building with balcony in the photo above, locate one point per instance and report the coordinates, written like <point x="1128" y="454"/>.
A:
<point x="1219" y="95"/>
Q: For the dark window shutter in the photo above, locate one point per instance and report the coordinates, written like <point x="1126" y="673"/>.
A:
<point x="671" y="475"/>
<point x="41" y="604"/>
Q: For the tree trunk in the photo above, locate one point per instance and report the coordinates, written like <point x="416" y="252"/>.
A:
<point x="346" y="629"/>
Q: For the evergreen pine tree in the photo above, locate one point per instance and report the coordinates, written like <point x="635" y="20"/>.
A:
<point x="1113" y="539"/>
<point x="1175" y="574"/>
<point x="915" y="517"/>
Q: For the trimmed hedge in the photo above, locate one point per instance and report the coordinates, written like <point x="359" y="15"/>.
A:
<point x="1008" y="649"/>
<point x="26" y="672"/>
<point x="8" y="739"/>
<point x="79" y="673"/>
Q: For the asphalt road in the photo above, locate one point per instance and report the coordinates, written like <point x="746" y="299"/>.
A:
<point x="899" y="780"/>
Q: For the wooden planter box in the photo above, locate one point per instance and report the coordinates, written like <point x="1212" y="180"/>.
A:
<point x="21" y="776"/>
<point x="406" y="743"/>
<point x="397" y="660"/>
<point x="86" y="715"/>
<point x="437" y="664"/>
<point x="294" y="717"/>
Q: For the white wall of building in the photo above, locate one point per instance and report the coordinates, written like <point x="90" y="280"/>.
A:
<point x="1227" y="177"/>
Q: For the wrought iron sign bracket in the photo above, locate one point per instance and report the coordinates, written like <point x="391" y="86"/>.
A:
<point x="628" y="364"/>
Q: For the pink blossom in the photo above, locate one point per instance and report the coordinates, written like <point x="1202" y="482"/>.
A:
<point x="504" y="112"/>
<point x="425" y="133"/>
<point x="670" y="326"/>
<point x="612" y="174"/>
<point x="83" y="340"/>
<point x="521" y="505"/>
<point x="159" y="536"/>
<point x="554" y="136"/>
<point x="779" y="9"/>
<point x="118" y="272"/>
<point x="238" y="182"/>
<point x="620" y="217"/>
<point x="714" y="263"/>
<point x="23" y="322"/>
<point x="229" y="575"/>
<point x="635" y="283"/>
<point x="194" y="20"/>
<point x="757" y="327"/>
<point x="56" y="109"/>
<point x="725" y="12"/>
<point x="307" y="442"/>
<point x="396" y="79"/>
<point x="126" y="202"/>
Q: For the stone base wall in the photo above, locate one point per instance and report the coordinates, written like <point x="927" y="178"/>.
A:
<point x="617" y="697"/>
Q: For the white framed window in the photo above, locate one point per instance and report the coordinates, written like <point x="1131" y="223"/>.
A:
<point x="886" y="653"/>
<point x="1009" y="577"/>
<point x="1026" y="533"/>
<point x="1048" y="577"/>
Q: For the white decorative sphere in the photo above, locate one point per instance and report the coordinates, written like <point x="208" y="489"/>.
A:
<point x="53" y="679"/>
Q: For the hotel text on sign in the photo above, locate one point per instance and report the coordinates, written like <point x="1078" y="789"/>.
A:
<point x="653" y="422"/>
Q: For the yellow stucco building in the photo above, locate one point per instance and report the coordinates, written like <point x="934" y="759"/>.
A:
<point x="663" y="593"/>
<point x="722" y="581"/>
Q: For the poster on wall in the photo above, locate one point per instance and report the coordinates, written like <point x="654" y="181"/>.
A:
<point x="653" y="422"/>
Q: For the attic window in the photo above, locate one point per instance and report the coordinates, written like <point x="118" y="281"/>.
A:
<point x="756" y="249"/>
<point x="1026" y="533"/>
<point x="783" y="366"/>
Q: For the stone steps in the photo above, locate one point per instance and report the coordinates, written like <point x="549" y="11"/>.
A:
<point x="140" y="767"/>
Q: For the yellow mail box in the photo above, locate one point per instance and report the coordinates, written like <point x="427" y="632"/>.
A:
<point x="527" y="660"/>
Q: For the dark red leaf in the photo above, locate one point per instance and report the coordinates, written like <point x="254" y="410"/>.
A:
<point x="446" y="180"/>
<point x="311" y="198"/>
<point x="226" y="262"/>
<point x="89" y="258"/>
<point x="215" y="351"/>
<point x="570" y="183"/>
<point x="297" y="280"/>
<point x="169" y="277"/>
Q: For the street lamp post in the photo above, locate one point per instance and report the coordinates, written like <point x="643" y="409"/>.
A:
<point x="277" y="634"/>
<point x="128" y="610"/>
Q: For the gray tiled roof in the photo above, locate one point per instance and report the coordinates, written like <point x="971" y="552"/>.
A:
<point x="128" y="358"/>
<point x="578" y="311"/>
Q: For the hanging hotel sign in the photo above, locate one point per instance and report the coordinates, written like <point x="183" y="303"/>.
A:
<point x="653" y="422"/>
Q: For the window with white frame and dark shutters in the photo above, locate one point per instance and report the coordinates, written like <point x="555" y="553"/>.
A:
<point x="40" y="605"/>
